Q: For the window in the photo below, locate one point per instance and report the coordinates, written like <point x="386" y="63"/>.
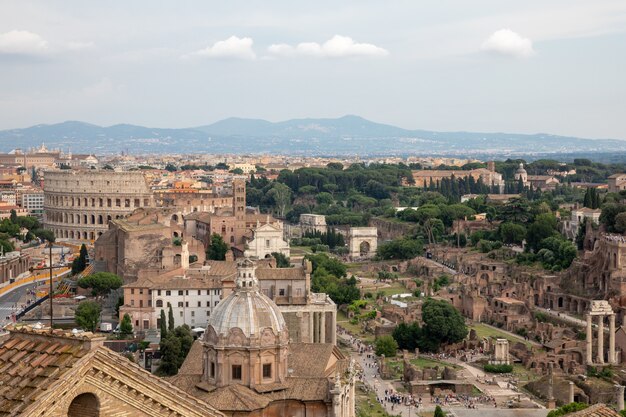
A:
<point x="140" y="290"/>
<point x="216" y="303"/>
<point x="180" y="304"/>
<point x="199" y="303"/>
<point x="267" y="370"/>
<point x="267" y="243"/>
<point x="180" y="292"/>
<point x="281" y="292"/>
<point x="132" y="303"/>
<point x="208" y="304"/>
<point x="199" y="293"/>
<point x="208" y="313"/>
<point x="141" y="303"/>
<point x="186" y="303"/>
<point x="158" y="293"/>
<point x="132" y="290"/>
<point x="186" y="292"/>
<point x="236" y="372"/>
<point x="168" y="292"/>
<point x="193" y="314"/>
<point x="212" y="369"/>
<point x="136" y="323"/>
<point x="181" y="313"/>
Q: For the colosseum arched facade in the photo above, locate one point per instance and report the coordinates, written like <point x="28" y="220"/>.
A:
<point x="79" y="204"/>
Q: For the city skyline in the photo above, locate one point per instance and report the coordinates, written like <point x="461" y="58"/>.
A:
<point x="449" y="66"/>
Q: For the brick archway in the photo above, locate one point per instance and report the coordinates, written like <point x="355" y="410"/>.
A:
<point x="84" y="405"/>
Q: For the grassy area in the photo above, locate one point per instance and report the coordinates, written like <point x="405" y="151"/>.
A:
<point x="366" y="404"/>
<point x="300" y="250"/>
<point x="355" y="329"/>
<point x="488" y="331"/>
<point x="395" y="364"/>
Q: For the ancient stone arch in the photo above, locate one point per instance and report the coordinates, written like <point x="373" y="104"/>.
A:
<point x="363" y="242"/>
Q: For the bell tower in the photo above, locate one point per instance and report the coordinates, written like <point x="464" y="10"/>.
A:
<point x="239" y="209"/>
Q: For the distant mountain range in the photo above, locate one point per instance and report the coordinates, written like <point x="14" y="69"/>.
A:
<point x="348" y="135"/>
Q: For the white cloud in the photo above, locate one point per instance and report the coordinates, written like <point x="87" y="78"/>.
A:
<point x="336" y="47"/>
<point x="79" y="46"/>
<point x="22" y="42"/>
<point x="233" y="47"/>
<point x="507" y="42"/>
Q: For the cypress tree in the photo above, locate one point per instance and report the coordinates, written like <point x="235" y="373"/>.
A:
<point x="170" y="318"/>
<point x="163" y="324"/>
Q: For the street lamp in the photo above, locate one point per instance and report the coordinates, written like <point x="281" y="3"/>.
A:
<point x="50" y="268"/>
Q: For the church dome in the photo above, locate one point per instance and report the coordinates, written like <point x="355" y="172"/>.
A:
<point x="520" y="169"/>
<point x="246" y="309"/>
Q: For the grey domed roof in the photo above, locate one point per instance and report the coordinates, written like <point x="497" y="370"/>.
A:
<point x="521" y="169"/>
<point x="249" y="311"/>
<point x="246" y="307"/>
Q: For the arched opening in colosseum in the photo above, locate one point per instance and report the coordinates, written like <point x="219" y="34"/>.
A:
<point x="85" y="219"/>
<point x="85" y="235"/>
<point x="84" y="405"/>
<point x="100" y="219"/>
<point x="71" y="235"/>
<point x="93" y="219"/>
<point x="92" y="236"/>
<point x="108" y="218"/>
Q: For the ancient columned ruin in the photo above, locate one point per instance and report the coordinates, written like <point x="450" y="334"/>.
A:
<point x="600" y="309"/>
<point x="501" y="352"/>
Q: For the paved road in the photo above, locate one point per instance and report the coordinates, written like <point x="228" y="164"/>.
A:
<point x="17" y="297"/>
<point x="563" y="316"/>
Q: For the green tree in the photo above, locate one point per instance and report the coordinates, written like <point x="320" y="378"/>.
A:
<point x="170" y="348"/>
<point x="163" y="324"/>
<point x="101" y="283"/>
<point x="44" y="234"/>
<point x="281" y="260"/>
<point x="280" y="196"/>
<point x="126" y="327"/>
<point x="567" y="408"/>
<point x="620" y="222"/>
<point x="443" y="324"/>
<point x="543" y="227"/>
<point x="439" y="412"/>
<point x="13" y="216"/>
<point x="386" y="345"/>
<point x="87" y="315"/>
<point x="402" y="248"/>
<point x="80" y="263"/>
<point x="170" y="318"/>
<point x="218" y="248"/>
<point x="512" y="233"/>
<point x="407" y="335"/>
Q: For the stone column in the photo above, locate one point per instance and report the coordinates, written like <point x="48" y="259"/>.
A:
<point x="334" y="329"/>
<point x="589" y="341"/>
<point x="600" y="340"/>
<point x="570" y="398"/>
<point x="620" y="397"/>
<point x="311" y="327"/>
<point x="323" y="327"/>
<point x="612" y="339"/>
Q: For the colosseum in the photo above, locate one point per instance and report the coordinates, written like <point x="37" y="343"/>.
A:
<point x="79" y="204"/>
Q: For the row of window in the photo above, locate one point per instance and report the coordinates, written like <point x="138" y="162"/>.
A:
<point x="159" y="303"/>
<point x="180" y="292"/>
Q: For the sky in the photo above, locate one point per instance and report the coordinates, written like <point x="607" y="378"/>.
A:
<point x="531" y="66"/>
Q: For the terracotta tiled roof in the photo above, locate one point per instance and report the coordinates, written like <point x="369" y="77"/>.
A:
<point x="309" y="359"/>
<point x="31" y="365"/>
<point x="193" y="362"/>
<point x="280" y="273"/>
<point x="596" y="410"/>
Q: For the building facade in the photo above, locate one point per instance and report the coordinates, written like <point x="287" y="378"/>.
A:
<point x="80" y="204"/>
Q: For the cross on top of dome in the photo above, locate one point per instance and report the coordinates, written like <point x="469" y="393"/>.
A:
<point x="246" y="276"/>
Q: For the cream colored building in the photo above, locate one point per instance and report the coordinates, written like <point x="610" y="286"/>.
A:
<point x="267" y="239"/>
<point x="313" y="223"/>
<point x="79" y="204"/>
